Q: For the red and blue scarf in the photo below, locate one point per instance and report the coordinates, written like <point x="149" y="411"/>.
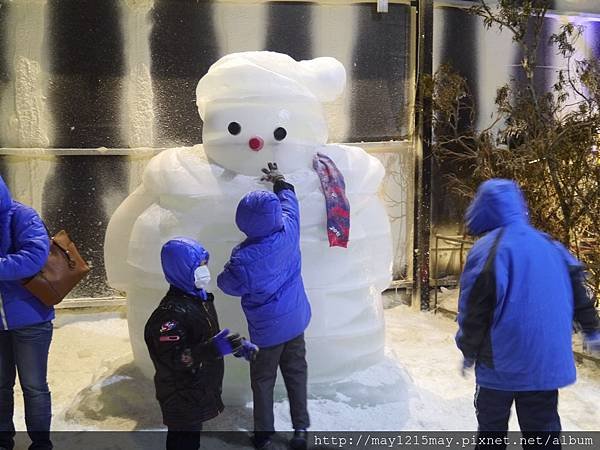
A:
<point x="336" y="202"/>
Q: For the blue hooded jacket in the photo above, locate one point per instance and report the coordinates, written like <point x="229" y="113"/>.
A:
<point x="180" y="257"/>
<point x="24" y="247"/>
<point x="516" y="305"/>
<point x="265" y="269"/>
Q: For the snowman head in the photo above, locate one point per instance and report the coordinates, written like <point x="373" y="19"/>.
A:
<point x="264" y="106"/>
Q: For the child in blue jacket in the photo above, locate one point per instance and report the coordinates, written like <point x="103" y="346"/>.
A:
<point x="265" y="271"/>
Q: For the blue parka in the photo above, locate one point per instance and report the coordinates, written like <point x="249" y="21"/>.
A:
<point x="24" y="247"/>
<point x="520" y="292"/>
<point x="180" y="257"/>
<point x="265" y="269"/>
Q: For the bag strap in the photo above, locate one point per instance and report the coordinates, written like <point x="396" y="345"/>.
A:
<point x="66" y="252"/>
<point x="46" y="227"/>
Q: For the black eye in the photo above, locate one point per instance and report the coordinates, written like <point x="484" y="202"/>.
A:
<point x="234" y="128"/>
<point x="280" y="134"/>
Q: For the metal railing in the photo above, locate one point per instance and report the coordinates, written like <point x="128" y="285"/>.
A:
<point x="460" y="244"/>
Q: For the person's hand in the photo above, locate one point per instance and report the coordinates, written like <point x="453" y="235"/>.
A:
<point x="226" y="343"/>
<point x="591" y="342"/>
<point x="467" y="365"/>
<point x="248" y="351"/>
<point x="272" y="174"/>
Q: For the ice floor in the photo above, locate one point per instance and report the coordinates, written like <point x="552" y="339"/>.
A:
<point x="419" y="387"/>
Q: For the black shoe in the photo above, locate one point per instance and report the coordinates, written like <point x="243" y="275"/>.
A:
<point x="300" y="440"/>
<point x="7" y="440"/>
<point x="262" y="441"/>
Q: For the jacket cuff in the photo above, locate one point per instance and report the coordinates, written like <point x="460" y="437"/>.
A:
<point x="280" y="185"/>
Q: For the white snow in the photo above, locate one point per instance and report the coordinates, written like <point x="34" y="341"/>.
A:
<point x="417" y="387"/>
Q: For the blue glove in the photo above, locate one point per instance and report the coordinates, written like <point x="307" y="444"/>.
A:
<point x="226" y="343"/>
<point x="591" y="342"/>
<point x="467" y="364"/>
<point x="248" y="351"/>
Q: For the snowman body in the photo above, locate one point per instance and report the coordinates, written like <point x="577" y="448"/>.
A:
<point x="194" y="192"/>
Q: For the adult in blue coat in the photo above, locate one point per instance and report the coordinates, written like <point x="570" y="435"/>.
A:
<point x="25" y="322"/>
<point x="265" y="271"/>
<point x="520" y="292"/>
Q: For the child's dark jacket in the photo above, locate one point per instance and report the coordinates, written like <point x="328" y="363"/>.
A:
<point x="189" y="371"/>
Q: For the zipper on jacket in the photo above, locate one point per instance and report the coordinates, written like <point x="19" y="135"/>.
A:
<point x="3" y="314"/>
<point x="210" y="327"/>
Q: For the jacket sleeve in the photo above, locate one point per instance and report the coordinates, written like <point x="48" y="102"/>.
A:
<point x="170" y="347"/>
<point x="289" y="206"/>
<point x="233" y="280"/>
<point x="477" y="300"/>
<point x="31" y="247"/>
<point x="584" y="313"/>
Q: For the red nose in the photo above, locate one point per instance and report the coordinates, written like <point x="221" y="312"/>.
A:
<point x="256" y="143"/>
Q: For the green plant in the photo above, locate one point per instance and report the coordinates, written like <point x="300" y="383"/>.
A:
<point x="546" y="139"/>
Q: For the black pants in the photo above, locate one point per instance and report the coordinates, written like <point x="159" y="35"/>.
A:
<point x="184" y="440"/>
<point x="290" y="357"/>
<point x="537" y="412"/>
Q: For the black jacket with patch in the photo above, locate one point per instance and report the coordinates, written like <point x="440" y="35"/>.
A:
<point x="189" y="370"/>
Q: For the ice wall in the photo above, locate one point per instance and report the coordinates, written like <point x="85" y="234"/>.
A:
<point x="24" y="117"/>
<point x="83" y="74"/>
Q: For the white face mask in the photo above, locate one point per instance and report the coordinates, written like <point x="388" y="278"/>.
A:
<point x="201" y="277"/>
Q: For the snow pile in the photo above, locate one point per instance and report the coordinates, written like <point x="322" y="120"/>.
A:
<point x="118" y="398"/>
<point x="96" y="386"/>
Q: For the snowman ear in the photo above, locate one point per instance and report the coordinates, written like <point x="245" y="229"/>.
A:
<point x="325" y="77"/>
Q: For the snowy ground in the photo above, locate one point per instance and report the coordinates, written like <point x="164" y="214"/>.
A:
<point x="419" y="387"/>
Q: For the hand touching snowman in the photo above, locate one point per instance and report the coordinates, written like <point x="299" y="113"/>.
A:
<point x="272" y="174"/>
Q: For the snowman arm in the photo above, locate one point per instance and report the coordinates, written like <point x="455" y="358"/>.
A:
<point x="118" y="234"/>
<point x="232" y="280"/>
<point x="289" y="206"/>
<point x="363" y="173"/>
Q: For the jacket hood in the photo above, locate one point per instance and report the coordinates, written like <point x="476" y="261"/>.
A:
<point x="5" y="197"/>
<point x="180" y="257"/>
<point x="497" y="203"/>
<point x="259" y="214"/>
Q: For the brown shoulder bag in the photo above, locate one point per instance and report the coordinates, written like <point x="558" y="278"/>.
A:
<point x="63" y="270"/>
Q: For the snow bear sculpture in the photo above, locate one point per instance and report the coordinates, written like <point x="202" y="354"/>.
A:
<point x="259" y="107"/>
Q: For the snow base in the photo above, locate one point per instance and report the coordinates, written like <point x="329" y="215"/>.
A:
<point x="418" y="386"/>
